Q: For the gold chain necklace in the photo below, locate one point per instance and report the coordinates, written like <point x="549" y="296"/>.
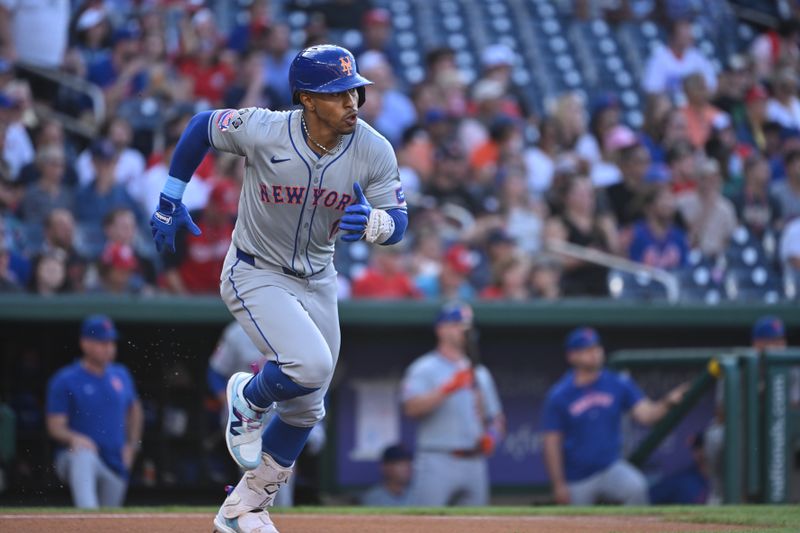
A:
<point x="318" y="145"/>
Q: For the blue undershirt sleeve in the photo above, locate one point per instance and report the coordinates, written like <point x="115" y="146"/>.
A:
<point x="400" y="217"/>
<point x="192" y="147"/>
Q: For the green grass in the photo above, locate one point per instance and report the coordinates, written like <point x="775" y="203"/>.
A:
<point x="772" y="518"/>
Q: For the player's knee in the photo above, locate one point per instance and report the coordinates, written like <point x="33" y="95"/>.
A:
<point x="636" y="490"/>
<point x="307" y="417"/>
<point x="315" y="369"/>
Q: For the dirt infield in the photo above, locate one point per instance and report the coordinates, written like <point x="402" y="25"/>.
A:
<point x="298" y="523"/>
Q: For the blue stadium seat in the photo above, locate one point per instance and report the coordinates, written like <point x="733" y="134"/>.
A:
<point x="635" y="287"/>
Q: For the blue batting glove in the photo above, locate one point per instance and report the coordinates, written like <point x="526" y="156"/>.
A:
<point x="170" y="216"/>
<point x="356" y="216"/>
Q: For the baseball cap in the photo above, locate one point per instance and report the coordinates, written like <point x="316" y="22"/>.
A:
<point x="120" y="256"/>
<point x="396" y="452"/>
<point x="619" y="137"/>
<point x="757" y="92"/>
<point x="89" y="18"/>
<point x="460" y="259"/>
<point x="377" y="16"/>
<point x="768" y="327"/>
<point x="99" y="328"/>
<point x="102" y="149"/>
<point x="581" y="338"/>
<point x="497" y="55"/>
<point x="454" y="312"/>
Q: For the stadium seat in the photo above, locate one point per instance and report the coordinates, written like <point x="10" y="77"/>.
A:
<point x="635" y="287"/>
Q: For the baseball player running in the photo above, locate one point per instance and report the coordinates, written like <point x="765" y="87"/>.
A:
<point x="460" y="418"/>
<point x="310" y="173"/>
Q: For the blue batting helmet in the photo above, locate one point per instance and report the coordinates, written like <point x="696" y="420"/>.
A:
<point x="325" y="69"/>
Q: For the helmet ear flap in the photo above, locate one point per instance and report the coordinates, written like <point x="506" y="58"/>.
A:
<point x="362" y="95"/>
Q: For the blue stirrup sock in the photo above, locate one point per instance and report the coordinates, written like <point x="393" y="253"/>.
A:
<point x="272" y="385"/>
<point x="284" y="442"/>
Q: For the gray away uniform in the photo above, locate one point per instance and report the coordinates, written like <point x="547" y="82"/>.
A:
<point x="448" y="470"/>
<point x="278" y="278"/>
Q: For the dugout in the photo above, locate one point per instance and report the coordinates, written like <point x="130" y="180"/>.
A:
<point x="166" y="342"/>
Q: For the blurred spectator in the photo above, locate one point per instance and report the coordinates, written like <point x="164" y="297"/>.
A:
<point x="788" y="191"/>
<point x="586" y="227"/>
<point x="8" y="280"/>
<point x="734" y="81"/>
<point x="118" y="271"/>
<point x="682" y="168"/>
<point x="59" y="237"/>
<point x="451" y="282"/>
<point x="24" y="24"/>
<point x="278" y="58"/>
<point x="119" y="226"/>
<point x="656" y="241"/>
<point x="17" y="148"/>
<point x="93" y="32"/>
<point x="393" y="489"/>
<point x="545" y="279"/>
<point x="524" y="215"/>
<point x="699" y="112"/>
<point x="668" y="65"/>
<point x="460" y="418"/>
<point x="606" y="171"/>
<point x="450" y="178"/>
<point x="249" y="89"/>
<point x="790" y="245"/>
<point x="710" y="217"/>
<point x="195" y="266"/>
<point x="49" y="192"/>
<point x="657" y="111"/>
<point x="397" y="112"/>
<point x="121" y="73"/>
<point x="581" y="419"/>
<point x="376" y="30"/>
<point x="49" y="273"/>
<point x="95" y="416"/>
<point x="416" y="161"/>
<point x="540" y="159"/>
<point x="625" y="197"/>
<point x="202" y="60"/>
<point x="509" y="281"/>
<point x="128" y="163"/>
<point x="571" y="117"/>
<point x="723" y="147"/>
<point x="51" y="133"/>
<point x="385" y="277"/>
<point x="778" y="46"/>
<point x="757" y="208"/>
<point x="784" y="106"/>
<point x="750" y="127"/>
<point x="498" y="61"/>
<point x="104" y="194"/>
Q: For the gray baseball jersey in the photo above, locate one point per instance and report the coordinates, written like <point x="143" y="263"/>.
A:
<point x="292" y="198"/>
<point x="456" y="423"/>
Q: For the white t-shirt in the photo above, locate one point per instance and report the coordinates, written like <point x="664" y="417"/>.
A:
<point x="39" y="29"/>
<point x="540" y="167"/>
<point x="146" y="189"/>
<point x="130" y="166"/>
<point x="18" y="149"/>
<point x="790" y="241"/>
<point x="788" y="117"/>
<point x="664" y="72"/>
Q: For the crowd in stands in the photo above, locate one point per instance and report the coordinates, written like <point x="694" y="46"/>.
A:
<point x="490" y="182"/>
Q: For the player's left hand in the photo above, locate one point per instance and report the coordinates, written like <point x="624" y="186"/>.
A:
<point x="356" y="216"/>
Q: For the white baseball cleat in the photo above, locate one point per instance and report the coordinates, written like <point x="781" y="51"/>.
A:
<point x="244" y="510"/>
<point x="247" y="523"/>
<point x="245" y="424"/>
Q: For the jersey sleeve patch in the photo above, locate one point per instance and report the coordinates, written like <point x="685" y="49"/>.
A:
<point x="231" y="119"/>
<point x="400" y="195"/>
<point x="224" y="120"/>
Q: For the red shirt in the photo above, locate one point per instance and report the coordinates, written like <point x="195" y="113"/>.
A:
<point x="210" y="81"/>
<point x="374" y="284"/>
<point x="205" y="253"/>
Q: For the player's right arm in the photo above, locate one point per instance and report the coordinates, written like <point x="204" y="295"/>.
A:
<point x="224" y="129"/>
<point x="57" y="420"/>
<point x="554" y="460"/>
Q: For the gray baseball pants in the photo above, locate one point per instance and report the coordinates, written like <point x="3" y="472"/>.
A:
<point x="91" y="482"/>
<point x="621" y="482"/>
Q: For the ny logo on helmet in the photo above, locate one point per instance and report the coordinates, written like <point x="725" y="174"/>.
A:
<point x="347" y="66"/>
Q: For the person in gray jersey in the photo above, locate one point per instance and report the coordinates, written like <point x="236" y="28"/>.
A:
<point x="460" y="418"/>
<point x="311" y="174"/>
<point x="235" y="352"/>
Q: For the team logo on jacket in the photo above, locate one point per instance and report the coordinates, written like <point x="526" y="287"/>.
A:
<point x="347" y="65"/>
